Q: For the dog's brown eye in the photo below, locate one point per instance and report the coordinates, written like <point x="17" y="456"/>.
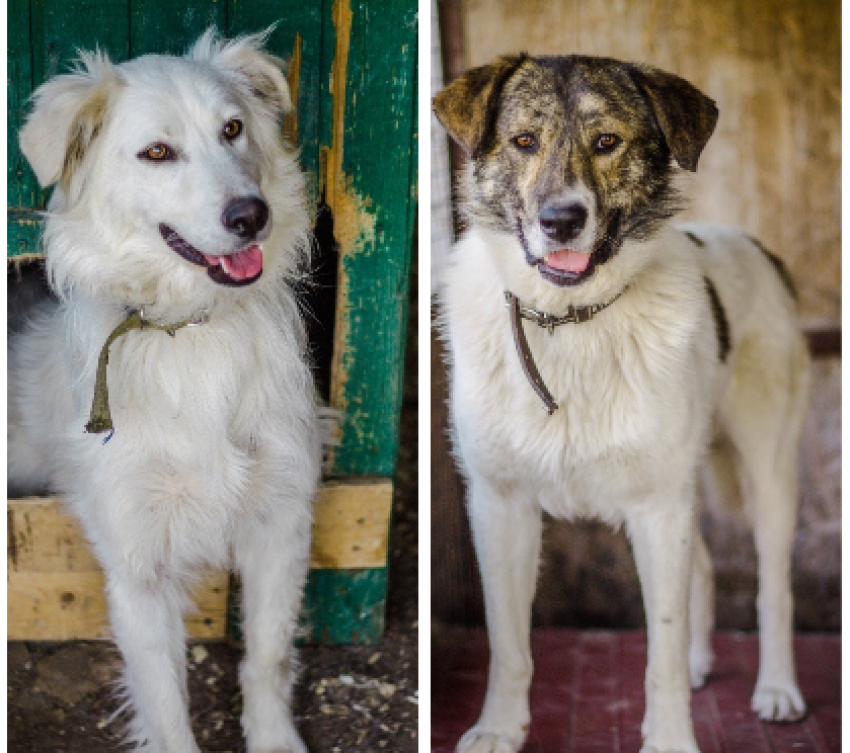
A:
<point x="157" y="153"/>
<point x="606" y="142"/>
<point x="525" y="141"/>
<point x="232" y="128"/>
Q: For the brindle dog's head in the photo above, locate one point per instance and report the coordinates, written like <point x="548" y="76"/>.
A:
<point x="573" y="154"/>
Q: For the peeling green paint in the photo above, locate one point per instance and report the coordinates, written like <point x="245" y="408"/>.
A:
<point x="340" y="606"/>
<point x="23" y="234"/>
<point x="372" y="171"/>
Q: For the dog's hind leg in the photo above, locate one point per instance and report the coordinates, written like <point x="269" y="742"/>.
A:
<point x="146" y="615"/>
<point x="700" y="655"/>
<point x="507" y="530"/>
<point x="763" y="414"/>
<point x="777" y="696"/>
<point x="272" y="557"/>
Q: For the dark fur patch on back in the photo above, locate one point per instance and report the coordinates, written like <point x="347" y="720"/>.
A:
<point x="721" y="323"/>
<point x="779" y="266"/>
<point x="695" y="239"/>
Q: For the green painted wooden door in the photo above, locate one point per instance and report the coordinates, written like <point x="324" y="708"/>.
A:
<point x="353" y="64"/>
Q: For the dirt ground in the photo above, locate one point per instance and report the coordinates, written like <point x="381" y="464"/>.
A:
<point x="349" y="698"/>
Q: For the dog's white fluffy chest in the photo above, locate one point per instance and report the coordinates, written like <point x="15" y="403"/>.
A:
<point x="617" y="419"/>
<point x="209" y="425"/>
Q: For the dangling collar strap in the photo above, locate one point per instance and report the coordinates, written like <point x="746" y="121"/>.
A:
<point x="100" y="419"/>
<point x="518" y="312"/>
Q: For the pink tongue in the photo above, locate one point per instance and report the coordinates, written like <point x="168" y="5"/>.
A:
<point x="568" y="260"/>
<point x="242" y="265"/>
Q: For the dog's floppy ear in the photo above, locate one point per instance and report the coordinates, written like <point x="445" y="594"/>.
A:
<point x="245" y="58"/>
<point x="685" y="115"/>
<point x="467" y="107"/>
<point x="67" y="115"/>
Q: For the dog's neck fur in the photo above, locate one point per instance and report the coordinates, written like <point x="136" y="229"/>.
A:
<point x="574" y="315"/>
<point x="100" y="419"/>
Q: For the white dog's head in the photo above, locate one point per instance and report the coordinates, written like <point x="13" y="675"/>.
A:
<point x="174" y="188"/>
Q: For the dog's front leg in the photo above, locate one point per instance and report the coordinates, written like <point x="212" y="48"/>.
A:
<point x="507" y="529"/>
<point x="146" y="615"/>
<point x="662" y="533"/>
<point x="272" y="556"/>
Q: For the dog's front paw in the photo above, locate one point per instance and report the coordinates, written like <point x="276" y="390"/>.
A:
<point x="287" y="742"/>
<point x="482" y="741"/>
<point x="686" y="748"/>
<point x="296" y="746"/>
<point x="779" y="704"/>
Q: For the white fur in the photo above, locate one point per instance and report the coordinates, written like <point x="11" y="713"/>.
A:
<point x="643" y="395"/>
<point x="215" y="457"/>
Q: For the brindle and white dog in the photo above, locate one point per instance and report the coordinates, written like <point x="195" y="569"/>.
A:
<point x="659" y="348"/>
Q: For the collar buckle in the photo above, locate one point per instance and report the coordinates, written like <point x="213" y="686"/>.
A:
<point x="547" y="321"/>
<point x="581" y="315"/>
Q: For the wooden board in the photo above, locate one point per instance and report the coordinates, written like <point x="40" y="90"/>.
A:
<point x="351" y="525"/>
<point x="55" y="585"/>
<point x="62" y="606"/>
<point x="368" y="178"/>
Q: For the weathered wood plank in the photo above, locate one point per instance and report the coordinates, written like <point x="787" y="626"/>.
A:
<point x="350" y="530"/>
<point x="373" y="86"/>
<point x="60" y="29"/>
<point x="21" y="185"/>
<point x="42" y="538"/>
<point x="166" y="27"/>
<point x="297" y="40"/>
<point x="55" y="584"/>
<point x="345" y="606"/>
<point x="61" y="606"/>
<point x="352" y="524"/>
<point x="340" y="606"/>
<point x="23" y="234"/>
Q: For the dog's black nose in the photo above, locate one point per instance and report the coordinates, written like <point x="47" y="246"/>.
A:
<point x="563" y="222"/>
<point x="245" y="217"/>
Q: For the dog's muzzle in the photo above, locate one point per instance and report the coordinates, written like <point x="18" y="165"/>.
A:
<point x="240" y="268"/>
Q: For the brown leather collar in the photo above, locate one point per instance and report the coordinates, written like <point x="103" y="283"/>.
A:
<point x="574" y="315"/>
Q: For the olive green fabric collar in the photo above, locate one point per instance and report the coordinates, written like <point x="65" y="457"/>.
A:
<point x="100" y="419"/>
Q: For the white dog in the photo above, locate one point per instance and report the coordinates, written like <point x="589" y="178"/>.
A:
<point x="655" y="346"/>
<point x="176" y="203"/>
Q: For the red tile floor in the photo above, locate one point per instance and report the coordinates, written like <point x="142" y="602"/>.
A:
<point x="587" y="695"/>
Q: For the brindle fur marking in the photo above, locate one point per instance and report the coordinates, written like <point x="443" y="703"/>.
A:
<point x="470" y="104"/>
<point x="685" y="115"/>
<point x="84" y="130"/>
<point x="566" y="103"/>
<point x="695" y="239"/>
<point x="779" y="266"/>
<point x="721" y="322"/>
